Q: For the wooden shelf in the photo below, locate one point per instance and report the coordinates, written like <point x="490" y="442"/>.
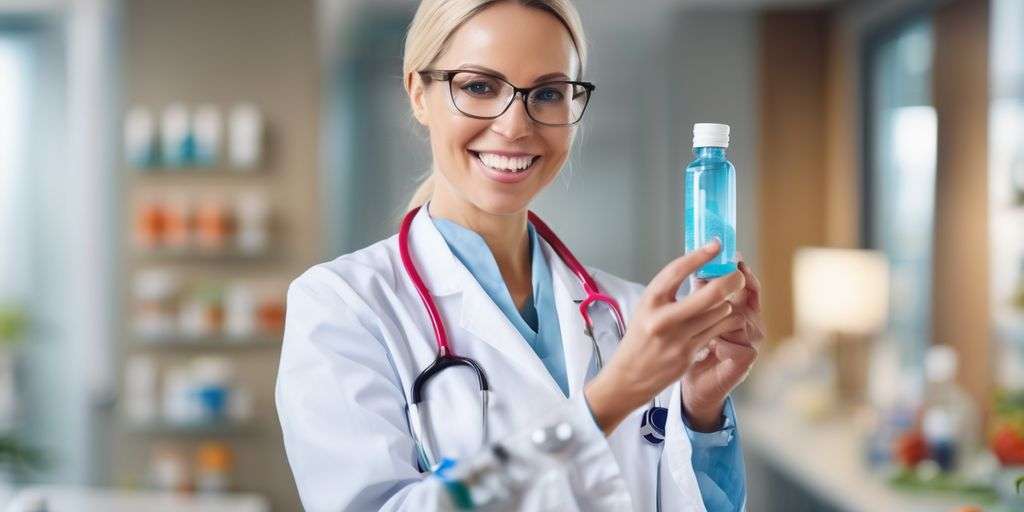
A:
<point x="158" y="172"/>
<point x="206" y="256"/>
<point x="217" y="428"/>
<point x="209" y="343"/>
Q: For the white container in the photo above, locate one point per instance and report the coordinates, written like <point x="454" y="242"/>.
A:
<point x="155" y="291"/>
<point x="141" y="398"/>
<point x="180" y="406"/>
<point x="240" y="407"/>
<point x="246" y="136"/>
<point x="207" y="127"/>
<point x="252" y="213"/>
<point x="176" y="136"/>
<point x="240" y="311"/>
<point x="140" y="139"/>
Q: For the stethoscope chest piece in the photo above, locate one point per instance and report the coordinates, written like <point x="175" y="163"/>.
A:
<point x="652" y="425"/>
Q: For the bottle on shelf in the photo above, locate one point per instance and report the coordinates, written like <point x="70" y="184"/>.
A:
<point x="950" y="422"/>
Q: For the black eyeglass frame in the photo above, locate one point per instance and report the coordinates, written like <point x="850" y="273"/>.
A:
<point x="446" y="75"/>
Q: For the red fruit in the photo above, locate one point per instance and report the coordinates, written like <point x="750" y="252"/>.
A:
<point x="910" y="448"/>
<point x="1008" y="445"/>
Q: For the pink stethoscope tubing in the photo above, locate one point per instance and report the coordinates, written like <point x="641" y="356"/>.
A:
<point x="446" y="357"/>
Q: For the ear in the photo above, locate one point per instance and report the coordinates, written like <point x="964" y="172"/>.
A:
<point x="417" y="97"/>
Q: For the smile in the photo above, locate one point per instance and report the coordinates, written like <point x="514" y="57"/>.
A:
<point x="502" y="163"/>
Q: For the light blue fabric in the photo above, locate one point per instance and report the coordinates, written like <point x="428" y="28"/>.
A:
<point x="717" y="460"/>
<point x="538" y="321"/>
<point x="718" y="463"/>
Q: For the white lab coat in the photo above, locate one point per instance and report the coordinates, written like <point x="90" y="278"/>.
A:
<point x="357" y="335"/>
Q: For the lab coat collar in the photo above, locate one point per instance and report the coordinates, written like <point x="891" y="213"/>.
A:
<point x="441" y="271"/>
<point x="568" y="293"/>
<point x="481" y="317"/>
<point x="444" y="275"/>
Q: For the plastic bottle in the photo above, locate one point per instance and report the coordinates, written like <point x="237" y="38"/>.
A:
<point x="711" y="199"/>
<point x="950" y="418"/>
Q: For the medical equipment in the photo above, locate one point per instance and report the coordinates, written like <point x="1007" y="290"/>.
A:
<point x="446" y="357"/>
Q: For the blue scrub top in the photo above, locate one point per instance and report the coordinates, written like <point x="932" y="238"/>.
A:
<point x="537" y="322"/>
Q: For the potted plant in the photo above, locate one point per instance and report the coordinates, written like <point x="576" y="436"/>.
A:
<point x="15" y="456"/>
<point x="1007" y="443"/>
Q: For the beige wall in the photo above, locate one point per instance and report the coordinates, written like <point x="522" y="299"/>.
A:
<point x="222" y="52"/>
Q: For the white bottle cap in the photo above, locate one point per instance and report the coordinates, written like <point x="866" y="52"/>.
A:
<point x="710" y="134"/>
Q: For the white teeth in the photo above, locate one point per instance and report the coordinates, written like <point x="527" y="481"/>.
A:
<point x="504" y="163"/>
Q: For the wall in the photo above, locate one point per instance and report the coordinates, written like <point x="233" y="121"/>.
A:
<point x="264" y="51"/>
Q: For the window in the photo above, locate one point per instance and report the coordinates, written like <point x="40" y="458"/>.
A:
<point x="900" y="140"/>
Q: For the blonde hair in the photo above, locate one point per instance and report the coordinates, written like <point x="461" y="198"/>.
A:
<point x="437" y="20"/>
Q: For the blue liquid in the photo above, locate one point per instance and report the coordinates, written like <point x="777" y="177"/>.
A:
<point x="711" y="209"/>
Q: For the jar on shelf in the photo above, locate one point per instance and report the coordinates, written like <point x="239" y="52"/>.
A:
<point x="252" y="215"/>
<point x="202" y="314"/>
<point x="149" y="223"/>
<point x="213" y="224"/>
<point x="155" y="292"/>
<point x="213" y="467"/>
<point x="177" y="234"/>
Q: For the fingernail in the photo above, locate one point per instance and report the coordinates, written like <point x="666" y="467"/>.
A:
<point x="711" y="247"/>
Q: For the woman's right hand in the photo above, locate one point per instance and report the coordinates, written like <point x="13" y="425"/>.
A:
<point x="663" y="338"/>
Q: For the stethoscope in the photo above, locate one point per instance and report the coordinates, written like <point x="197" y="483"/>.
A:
<point x="652" y="426"/>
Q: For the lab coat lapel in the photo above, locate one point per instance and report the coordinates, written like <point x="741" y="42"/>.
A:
<point x="478" y="315"/>
<point x="567" y="295"/>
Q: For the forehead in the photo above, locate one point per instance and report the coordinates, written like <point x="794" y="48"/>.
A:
<point x="522" y="43"/>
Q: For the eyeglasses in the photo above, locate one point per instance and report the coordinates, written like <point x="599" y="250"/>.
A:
<point x="484" y="96"/>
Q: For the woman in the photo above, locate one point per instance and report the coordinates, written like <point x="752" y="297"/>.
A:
<point x="497" y="85"/>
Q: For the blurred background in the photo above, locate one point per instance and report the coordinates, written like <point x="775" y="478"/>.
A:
<point x="168" y="166"/>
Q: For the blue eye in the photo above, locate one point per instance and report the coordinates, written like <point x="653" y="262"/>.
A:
<point x="477" y="88"/>
<point x="548" y="95"/>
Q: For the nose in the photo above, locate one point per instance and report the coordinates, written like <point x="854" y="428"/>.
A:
<point x="515" y="123"/>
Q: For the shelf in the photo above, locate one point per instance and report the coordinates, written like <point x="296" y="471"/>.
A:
<point x="158" y="172"/>
<point x="164" y="428"/>
<point x="208" y="343"/>
<point x="225" y="255"/>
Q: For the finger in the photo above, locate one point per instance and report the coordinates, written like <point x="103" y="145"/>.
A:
<point x="742" y="355"/>
<point x="665" y="284"/>
<point x="673" y="314"/>
<point x="752" y="282"/>
<point x="754" y="285"/>
<point x="728" y="324"/>
<point x="737" y="357"/>
<point x="715" y="293"/>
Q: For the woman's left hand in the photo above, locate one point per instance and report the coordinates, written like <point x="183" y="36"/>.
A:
<point x="728" y="359"/>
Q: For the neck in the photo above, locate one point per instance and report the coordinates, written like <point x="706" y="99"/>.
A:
<point x="506" y="235"/>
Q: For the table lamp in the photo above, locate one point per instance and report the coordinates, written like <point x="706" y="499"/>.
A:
<point x="841" y="296"/>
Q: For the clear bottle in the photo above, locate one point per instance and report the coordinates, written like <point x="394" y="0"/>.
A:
<point x="950" y="420"/>
<point x="711" y="198"/>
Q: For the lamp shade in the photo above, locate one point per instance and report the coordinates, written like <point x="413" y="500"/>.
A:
<point x="840" y="290"/>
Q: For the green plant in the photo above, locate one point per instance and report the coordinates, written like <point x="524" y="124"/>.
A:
<point x="1020" y="482"/>
<point x="18" y="456"/>
<point x="12" y="323"/>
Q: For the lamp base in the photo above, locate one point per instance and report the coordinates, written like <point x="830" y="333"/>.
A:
<point x="851" y="355"/>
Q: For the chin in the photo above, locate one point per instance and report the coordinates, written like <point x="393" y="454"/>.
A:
<point x="501" y="203"/>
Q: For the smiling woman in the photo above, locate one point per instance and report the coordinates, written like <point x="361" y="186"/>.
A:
<point x="475" y="282"/>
